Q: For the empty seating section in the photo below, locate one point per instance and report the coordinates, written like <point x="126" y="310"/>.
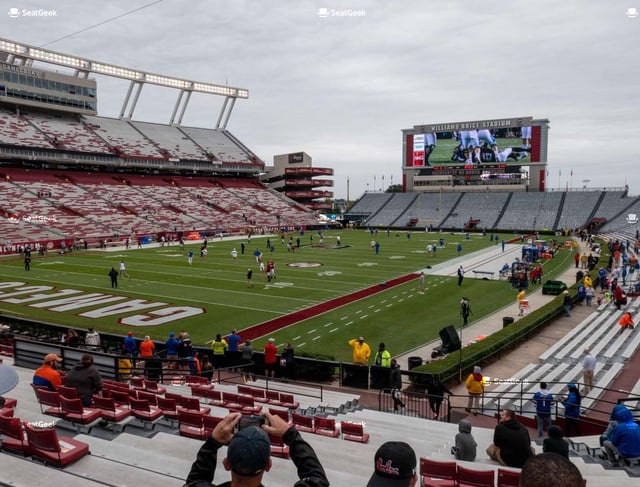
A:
<point x="388" y="214"/>
<point x="67" y="133"/>
<point x="481" y="206"/>
<point x="218" y="144"/>
<point x="171" y="141"/>
<point x="621" y="222"/>
<point x="123" y="137"/>
<point x="578" y="206"/>
<point x="429" y="209"/>
<point x="16" y="130"/>
<point x="529" y="210"/>
<point x="369" y="204"/>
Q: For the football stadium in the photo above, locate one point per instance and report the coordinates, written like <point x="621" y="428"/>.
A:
<point x="156" y="249"/>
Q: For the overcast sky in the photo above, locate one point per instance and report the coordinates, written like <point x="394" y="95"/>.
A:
<point x="342" y="88"/>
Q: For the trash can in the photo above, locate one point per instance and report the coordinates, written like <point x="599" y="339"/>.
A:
<point x="579" y="276"/>
<point x="507" y="320"/>
<point x="414" y="362"/>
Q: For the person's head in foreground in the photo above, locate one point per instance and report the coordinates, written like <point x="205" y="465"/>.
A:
<point x="550" y="470"/>
<point x="394" y="466"/>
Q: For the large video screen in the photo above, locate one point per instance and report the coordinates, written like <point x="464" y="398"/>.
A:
<point x="517" y="141"/>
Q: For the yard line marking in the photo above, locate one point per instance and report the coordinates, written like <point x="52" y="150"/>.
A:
<point x="377" y="311"/>
<point x="389" y="305"/>
<point x="331" y="331"/>
<point x="344" y="318"/>
<point x="297" y="338"/>
<point x="315" y="338"/>
<point x="359" y="311"/>
<point x="347" y="324"/>
<point x="382" y="302"/>
<point x="394" y="297"/>
<point x="328" y="324"/>
<point x="311" y="331"/>
<point x="363" y="317"/>
<point x="11" y="312"/>
<point x="400" y="300"/>
<point x="302" y="344"/>
<point x="369" y="307"/>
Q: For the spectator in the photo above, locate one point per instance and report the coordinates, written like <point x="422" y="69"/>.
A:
<point x="475" y="387"/>
<point x="394" y="464"/>
<point x="248" y="454"/>
<point x="555" y="443"/>
<point x="287" y="362"/>
<point x="172" y="345"/>
<point x="47" y="375"/>
<point x="153" y="368"/>
<point x="435" y="391"/>
<point x="550" y="470"/>
<point x="544" y="400"/>
<point x="247" y="362"/>
<point x="92" y="339"/>
<point x="85" y="378"/>
<point x="613" y="422"/>
<point x="361" y="351"/>
<point x="625" y="439"/>
<point x="465" y="448"/>
<point x="129" y="344"/>
<point x="219" y="347"/>
<point x="396" y="385"/>
<point x="206" y="367"/>
<point x="572" y="409"/>
<point x="124" y="366"/>
<point x="588" y="369"/>
<point x="270" y="358"/>
<point x="72" y="339"/>
<point x="147" y="347"/>
<point x="511" y="443"/>
<point x="626" y="321"/>
<point x="566" y="303"/>
<point x="233" y="352"/>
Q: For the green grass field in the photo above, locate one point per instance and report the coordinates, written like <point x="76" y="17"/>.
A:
<point x="398" y="316"/>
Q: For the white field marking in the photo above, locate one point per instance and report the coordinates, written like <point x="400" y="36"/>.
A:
<point x="367" y="264"/>
<point x="302" y="344"/>
<point x="344" y="318"/>
<point x="347" y="324"/>
<point x="377" y="310"/>
<point x="396" y="257"/>
<point x="359" y="311"/>
<point x="328" y="324"/>
<point x="382" y="302"/>
<point x="410" y="295"/>
<point x="394" y="297"/>
<point x="369" y="307"/>
<point x="335" y="329"/>
<point x="11" y="312"/>
<point x="388" y="305"/>
<point x="404" y="292"/>
<point x="315" y="338"/>
<point x="363" y="317"/>
<point x="311" y="331"/>
<point x="51" y="263"/>
<point x="297" y="338"/>
<point x="400" y="300"/>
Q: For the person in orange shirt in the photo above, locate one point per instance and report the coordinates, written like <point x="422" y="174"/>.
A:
<point x="147" y="347"/>
<point x="626" y="321"/>
<point x="47" y="375"/>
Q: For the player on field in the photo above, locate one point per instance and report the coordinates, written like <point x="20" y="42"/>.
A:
<point x="525" y="135"/>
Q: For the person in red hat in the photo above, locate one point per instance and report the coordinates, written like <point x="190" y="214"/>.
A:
<point x="47" y="375"/>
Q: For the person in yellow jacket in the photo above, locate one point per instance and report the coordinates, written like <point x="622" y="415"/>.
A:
<point x="361" y="351"/>
<point x="218" y="347"/>
<point x="475" y="387"/>
<point x="383" y="357"/>
<point x="587" y="281"/>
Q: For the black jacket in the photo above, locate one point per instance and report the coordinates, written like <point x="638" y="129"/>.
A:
<point x="513" y="440"/>
<point x="310" y="472"/>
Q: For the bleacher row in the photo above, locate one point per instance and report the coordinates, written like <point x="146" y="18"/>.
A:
<point x="562" y="362"/>
<point x="121" y="138"/>
<point x="90" y="205"/>
<point x="504" y="210"/>
<point x="116" y="458"/>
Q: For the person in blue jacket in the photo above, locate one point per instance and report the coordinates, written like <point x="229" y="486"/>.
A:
<point x="625" y="439"/>
<point x="572" y="410"/>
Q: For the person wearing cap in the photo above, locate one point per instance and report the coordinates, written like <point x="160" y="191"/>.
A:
<point x="249" y="454"/>
<point x="394" y="465"/>
<point x="47" y="375"/>
<point x="147" y="347"/>
<point x="588" y="369"/>
<point x="172" y="345"/>
<point x="475" y="387"/>
<point x="361" y="351"/>
<point x="572" y="409"/>
<point x="129" y="344"/>
<point x="85" y="378"/>
<point x="270" y="358"/>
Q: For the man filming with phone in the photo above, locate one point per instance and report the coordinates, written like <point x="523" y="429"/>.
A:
<point x="249" y="453"/>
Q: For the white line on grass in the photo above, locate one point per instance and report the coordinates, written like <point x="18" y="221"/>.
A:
<point x="297" y="338"/>
<point x="328" y="324"/>
<point x="388" y="305"/>
<point x="335" y="329"/>
<point x="301" y="344"/>
<point x="359" y="311"/>
<point x="369" y="307"/>
<point x="347" y="324"/>
<point x="377" y="310"/>
<point x="344" y="318"/>
<point x="311" y="331"/>
<point x="363" y="317"/>
<point x="315" y="338"/>
<point x="400" y="300"/>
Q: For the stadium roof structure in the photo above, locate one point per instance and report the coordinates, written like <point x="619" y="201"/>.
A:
<point x="21" y="54"/>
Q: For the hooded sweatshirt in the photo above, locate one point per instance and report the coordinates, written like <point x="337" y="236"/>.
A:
<point x="475" y="383"/>
<point x="626" y="435"/>
<point x="85" y="379"/>
<point x="465" y="443"/>
<point x="513" y="440"/>
<point x="543" y="399"/>
<point x="555" y="443"/>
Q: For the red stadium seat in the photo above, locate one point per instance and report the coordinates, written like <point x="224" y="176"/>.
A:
<point x="14" y="436"/>
<point x="353" y="432"/>
<point x="59" y="451"/>
<point x="83" y="418"/>
<point x="326" y="427"/>
<point x="302" y="422"/>
<point x="467" y="477"/>
<point x="434" y="473"/>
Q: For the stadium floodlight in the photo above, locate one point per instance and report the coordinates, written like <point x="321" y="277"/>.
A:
<point x="11" y="47"/>
<point x="167" y="81"/>
<point x="50" y="57"/>
<point x="117" y="71"/>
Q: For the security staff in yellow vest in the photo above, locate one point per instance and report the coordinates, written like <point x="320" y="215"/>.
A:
<point x="383" y="357"/>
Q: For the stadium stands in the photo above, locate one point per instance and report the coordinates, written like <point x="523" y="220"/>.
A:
<point x="125" y="139"/>
<point x="172" y="142"/>
<point x="482" y="206"/>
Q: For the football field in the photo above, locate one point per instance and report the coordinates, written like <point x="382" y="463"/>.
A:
<point x="212" y="295"/>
